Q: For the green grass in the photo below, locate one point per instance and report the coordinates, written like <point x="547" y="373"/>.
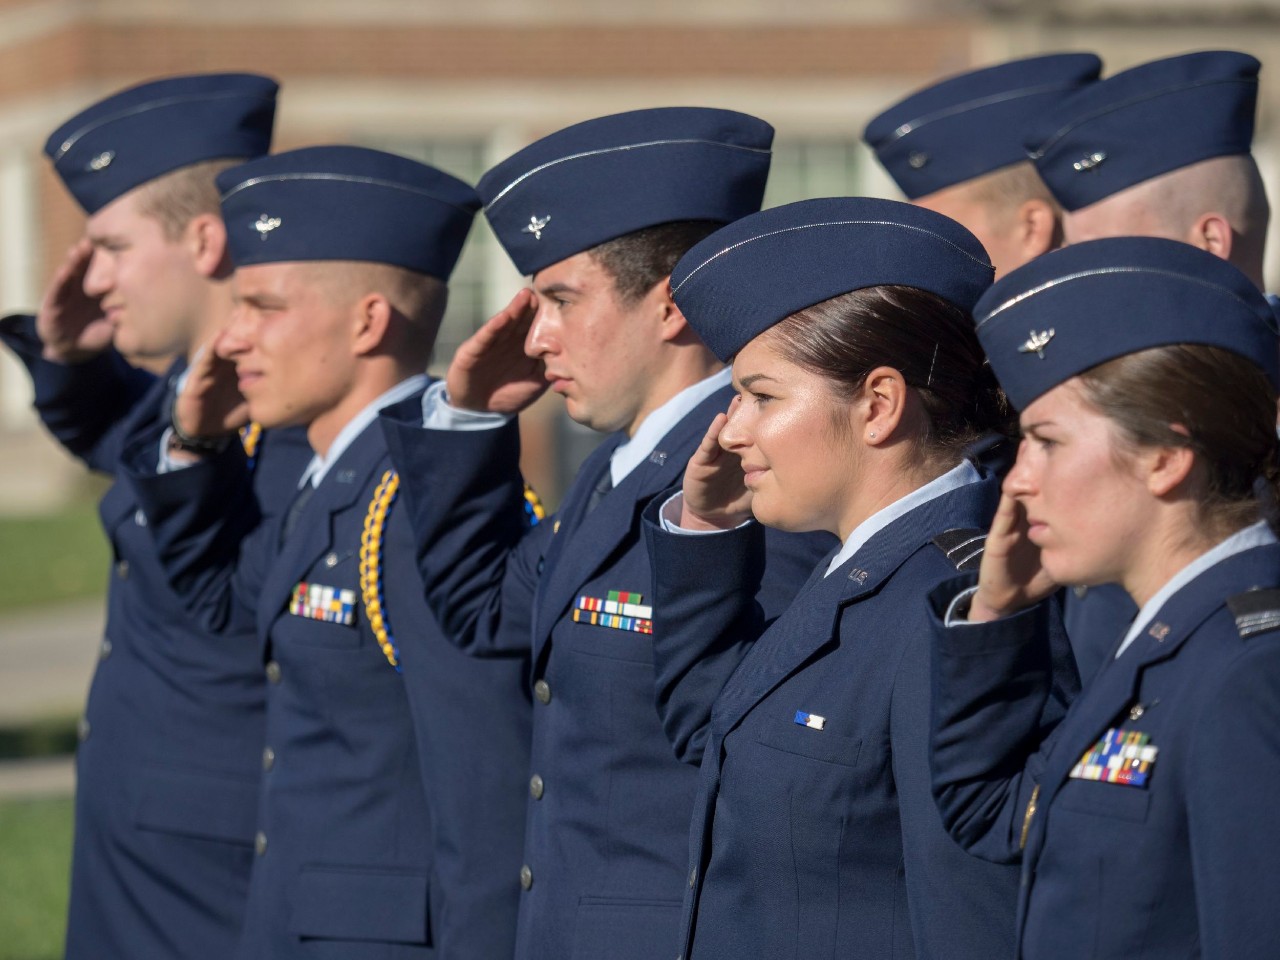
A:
<point x="35" y="837"/>
<point x="51" y="558"/>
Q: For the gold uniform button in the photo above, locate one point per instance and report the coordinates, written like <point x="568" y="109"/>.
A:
<point x="526" y="877"/>
<point x="268" y="758"/>
<point x="536" y="787"/>
<point x="273" y="671"/>
<point x="260" y="843"/>
<point x="542" y="690"/>
<point x="82" y="729"/>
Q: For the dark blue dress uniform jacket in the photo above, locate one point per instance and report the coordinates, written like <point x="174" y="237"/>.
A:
<point x="1182" y="867"/>
<point x="608" y="799"/>
<point x="826" y="842"/>
<point x="167" y="771"/>
<point x="390" y="818"/>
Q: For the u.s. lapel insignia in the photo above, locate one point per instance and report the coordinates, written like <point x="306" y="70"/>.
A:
<point x="1121" y="756"/>
<point x="315" y="601"/>
<point x="536" y="225"/>
<point x="1037" y="342"/>
<point x="658" y="457"/>
<point x="265" y="224"/>
<point x="858" y="575"/>
<point x="101" y="161"/>
<point x="619" y="610"/>
<point x="1159" y="631"/>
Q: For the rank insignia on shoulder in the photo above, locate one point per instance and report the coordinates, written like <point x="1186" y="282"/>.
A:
<point x="1256" y="612"/>
<point x="963" y="546"/>
<point x="1121" y="756"/>
<point x="318" y="602"/>
<point x="810" y="720"/>
<point x="620" y="610"/>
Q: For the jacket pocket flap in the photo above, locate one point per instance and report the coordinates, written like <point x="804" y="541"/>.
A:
<point x="201" y="805"/>
<point x="825" y="745"/>
<point x="337" y="903"/>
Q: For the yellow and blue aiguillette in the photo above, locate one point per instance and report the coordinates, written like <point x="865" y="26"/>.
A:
<point x="1121" y="756"/>
<point x="620" y="610"/>
<point x="330" y="604"/>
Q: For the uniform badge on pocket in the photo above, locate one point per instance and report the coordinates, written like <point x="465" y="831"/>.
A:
<point x="318" y="602"/>
<point x="620" y="610"/>
<point x="1121" y="756"/>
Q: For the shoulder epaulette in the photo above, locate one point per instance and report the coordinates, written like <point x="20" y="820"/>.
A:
<point x="1256" y="612"/>
<point x="963" y="546"/>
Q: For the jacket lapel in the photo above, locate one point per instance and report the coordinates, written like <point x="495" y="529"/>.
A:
<point x="314" y="531"/>
<point x="813" y="619"/>
<point x="587" y="541"/>
<point x="1117" y="685"/>
<point x="120" y="502"/>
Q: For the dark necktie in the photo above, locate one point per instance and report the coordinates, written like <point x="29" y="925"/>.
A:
<point x="295" y="510"/>
<point x="603" y="486"/>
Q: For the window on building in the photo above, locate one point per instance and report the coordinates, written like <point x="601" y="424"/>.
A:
<point x="464" y="159"/>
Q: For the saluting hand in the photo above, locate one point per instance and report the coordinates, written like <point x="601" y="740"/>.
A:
<point x="490" y="371"/>
<point x="715" y="498"/>
<point x="70" y="323"/>
<point x="1011" y="577"/>
<point x="210" y="403"/>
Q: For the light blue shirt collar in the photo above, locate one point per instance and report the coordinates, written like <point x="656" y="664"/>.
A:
<point x="319" y="466"/>
<point x="1257" y="535"/>
<point x="659" y="423"/>
<point x="953" y="479"/>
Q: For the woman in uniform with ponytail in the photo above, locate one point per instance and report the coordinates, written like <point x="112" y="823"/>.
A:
<point x="1145" y="371"/>
<point x="860" y="385"/>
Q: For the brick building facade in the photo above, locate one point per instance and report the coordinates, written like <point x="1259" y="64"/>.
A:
<point x="463" y="85"/>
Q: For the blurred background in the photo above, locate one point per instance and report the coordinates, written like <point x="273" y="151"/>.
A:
<point x="461" y="86"/>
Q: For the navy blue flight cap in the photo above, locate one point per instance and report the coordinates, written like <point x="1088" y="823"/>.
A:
<point x="605" y="178"/>
<point x="972" y="124"/>
<point x="346" y="203"/>
<point x="1144" y="122"/>
<point x="1088" y="303"/>
<point x="754" y="273"/>
<point x="144" y="132"/>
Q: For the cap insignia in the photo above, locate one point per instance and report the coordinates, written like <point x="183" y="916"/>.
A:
<point x="917" y="159"/>
<point x="536" y="225"/>
<point x="1037" y="342"/>
<point x="102" y="161"/>
<point x="265" y="224"/>
<point x="1090" y="162"/>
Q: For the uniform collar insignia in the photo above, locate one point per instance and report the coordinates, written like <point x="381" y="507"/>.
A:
<point x="536" y="225"/>
<point x="1037" y="342"/>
